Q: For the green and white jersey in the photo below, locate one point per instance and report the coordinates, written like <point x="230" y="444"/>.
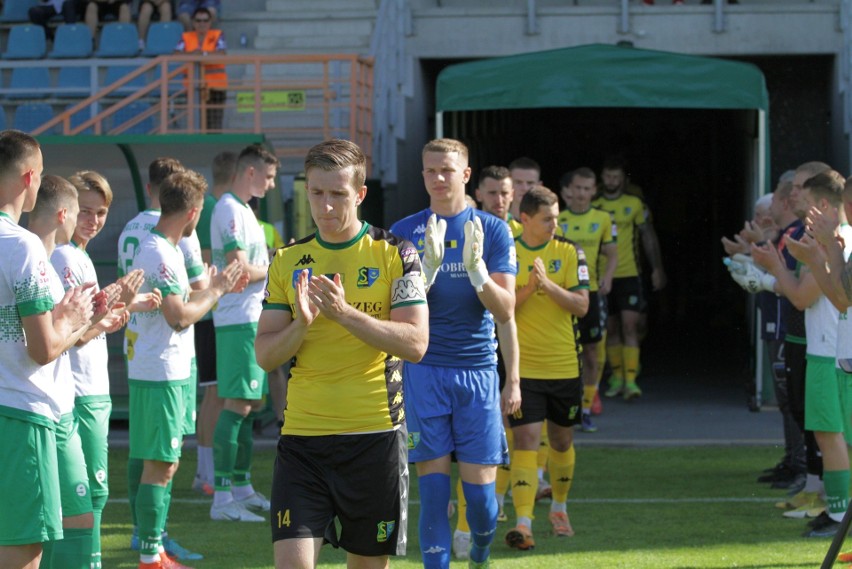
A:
<point x="29" y="286"/>
<point x="134" y="232"/>
<point x="155" y="351"/>
<point x="89" y="363"/>
<point x="138" y="229"/>
<point x="822" y="319"/>
<point x="191" y="249"/>
<point x="234" y="227"/>
<point x="844" y="326"/>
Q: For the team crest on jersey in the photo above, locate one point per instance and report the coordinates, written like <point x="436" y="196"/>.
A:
<point x="554" y="266"/>
<point x="413" y="439"/>
<point x="593" y="227"/>
<point x="42" y="269"/>
<point x="66" y="274"/>
<point x="297" y="272"/>
<point x="367" y="276"/>
<point x="166" y="273"/>
<point x="627" y="210"/>
<point x="385" y="530"/>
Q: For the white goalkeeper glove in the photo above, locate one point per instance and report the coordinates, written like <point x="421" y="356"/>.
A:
<point x="474" y="236"/>
<point x="737" y="263"/>
<point x="433" y="248"/>
<point x="754" y="280"/>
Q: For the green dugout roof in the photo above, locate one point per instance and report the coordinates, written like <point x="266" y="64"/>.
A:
<point x="601" y="76"/>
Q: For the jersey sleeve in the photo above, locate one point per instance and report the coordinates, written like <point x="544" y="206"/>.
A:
<point x="230" y="229"/>
<point x="609" y="232"/>
<point x="276" y="293"/>
<point x="577" y="275"/>
<point x="408" y="288"/>
<point x="191" y="249"/>
<point x="157" y="273"/>
<point x="32" y="280"/>
<point x="499" y="255"/>
<point x="69" y="272"/>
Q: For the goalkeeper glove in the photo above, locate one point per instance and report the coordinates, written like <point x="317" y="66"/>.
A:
<point x="754" y="280"/>
<point x="474" y="236"/>
<point x="433" y="248"/>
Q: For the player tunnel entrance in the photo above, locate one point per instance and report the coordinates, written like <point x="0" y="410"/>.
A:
<point x="694" y="132"/>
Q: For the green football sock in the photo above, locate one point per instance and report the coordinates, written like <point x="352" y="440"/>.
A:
<point x="149" y="513"/>
<point x="134" y="477"/>
<point x="225" y="448"/>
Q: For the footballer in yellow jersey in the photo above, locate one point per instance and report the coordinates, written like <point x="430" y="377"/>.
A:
<point x="349" y="303"/>
<point x="625" y="301"/>
<point x="551" y="292"/>
<point x="595" y="232"/>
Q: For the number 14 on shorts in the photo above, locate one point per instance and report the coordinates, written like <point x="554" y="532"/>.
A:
<point x="284" y="518"/>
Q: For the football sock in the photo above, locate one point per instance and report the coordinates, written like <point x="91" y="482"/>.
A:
<point x="98" y="504"/>
<point x="616" y="360"/>
<point x="631" y="363"/>
<point x="73" y="551"/>
<point x="524" y="482"/>
<point x="149" y="512"/>
<point x="435" y="538"/>
<point x="462" y="524"/>
<point x="242" y="487"/>
<point x="482" y="515"/>
<point x="588" y="397"/>
<point x="543" y="445"/>
<point x="167" y="503"/>
<point x="225" y="449"/>
<point x="562" y="473"/>
<point x="134" y="476"/>
<point x="600" y="351"/>
<point x="836" y="492"/>
<point x="204" y="472"/>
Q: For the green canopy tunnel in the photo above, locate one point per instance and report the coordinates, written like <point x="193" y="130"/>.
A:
<point x="695" y="133"/>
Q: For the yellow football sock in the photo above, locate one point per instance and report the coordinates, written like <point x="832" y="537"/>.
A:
<point x="616" y="360"/>
<point x="461" y="525"/>
<point x="504" y="473"/>
<point x="588" y="396"/>
<point x="543" y="445"/>
<point x="524" y="482"/>
<point x="562" y="473"/>
<point x="631" y="363"/>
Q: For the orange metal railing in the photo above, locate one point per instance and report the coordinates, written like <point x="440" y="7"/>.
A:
<point x="295" y="100"/>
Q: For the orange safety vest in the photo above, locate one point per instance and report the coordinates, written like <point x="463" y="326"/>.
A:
<point x="214" y="73"/>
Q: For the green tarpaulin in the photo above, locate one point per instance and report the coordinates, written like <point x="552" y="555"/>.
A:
<point x="601" y="76"/>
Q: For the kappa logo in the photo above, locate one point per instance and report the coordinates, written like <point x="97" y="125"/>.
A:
<point x="305" y="261"/>
<point x="521" y="483"/>
<point x="420" y="229"/>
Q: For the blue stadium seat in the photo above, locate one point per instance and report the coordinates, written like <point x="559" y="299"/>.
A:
<point x="16" y="10"/>
<point x="78" y="79"/>
<point x="26" y="42"/>
<point x="116" y="72"/>
<point x="131" y="111"/>
<point x="162" y="39"/>
<point x="80" y="117"/>
<point x="72" y="41"/>
<point x="35" y="82"/>
<point x="118" y="40"/>
<point x="30" y="116"/>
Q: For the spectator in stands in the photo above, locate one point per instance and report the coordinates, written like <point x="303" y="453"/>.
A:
<point x="97" y="10"/>
<point x="186" y="10"/>
<point x="146" y="11"/>
<point x="205" y="40"/>
<point x="41" y="14"/>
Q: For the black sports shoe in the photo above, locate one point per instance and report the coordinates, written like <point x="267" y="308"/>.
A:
<point x="780" y="472"/>
<point x="822" y="526"/>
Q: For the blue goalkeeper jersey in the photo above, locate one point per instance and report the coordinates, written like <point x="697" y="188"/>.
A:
<point x="461" y="330"/>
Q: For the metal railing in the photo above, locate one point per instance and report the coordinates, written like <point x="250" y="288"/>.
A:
<point x="294" y="100"/>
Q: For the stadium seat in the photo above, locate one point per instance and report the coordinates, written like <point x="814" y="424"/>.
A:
<point x="162" y="39"/>
<point x="80" y="117"/>
<point x="131" y="111"/>
<point x="26" y="42"/>
<point x="72" y="41"/>
<point x="78" y="81"/>
<point x="118" y="40"/>
<point x="35" y="82"/>
<point x="116" y="72"/>
<point x="16" y="10"/>
<point x="30" y="116"/>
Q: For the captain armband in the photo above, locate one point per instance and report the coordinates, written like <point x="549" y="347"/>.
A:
<point x="408" y="289"/>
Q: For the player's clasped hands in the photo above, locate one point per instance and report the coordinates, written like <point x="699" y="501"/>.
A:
<point x="76" y="307"/>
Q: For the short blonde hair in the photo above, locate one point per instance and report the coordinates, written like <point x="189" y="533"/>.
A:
<point x="447" y="145"/>
<point x="91" y="181"/>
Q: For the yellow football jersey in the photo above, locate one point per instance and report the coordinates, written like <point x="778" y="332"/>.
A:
<point x="338" y="383"/>
<point x="629" y="213"/>
<point x="590" y="230"/>
<point x="547" y="334"/>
